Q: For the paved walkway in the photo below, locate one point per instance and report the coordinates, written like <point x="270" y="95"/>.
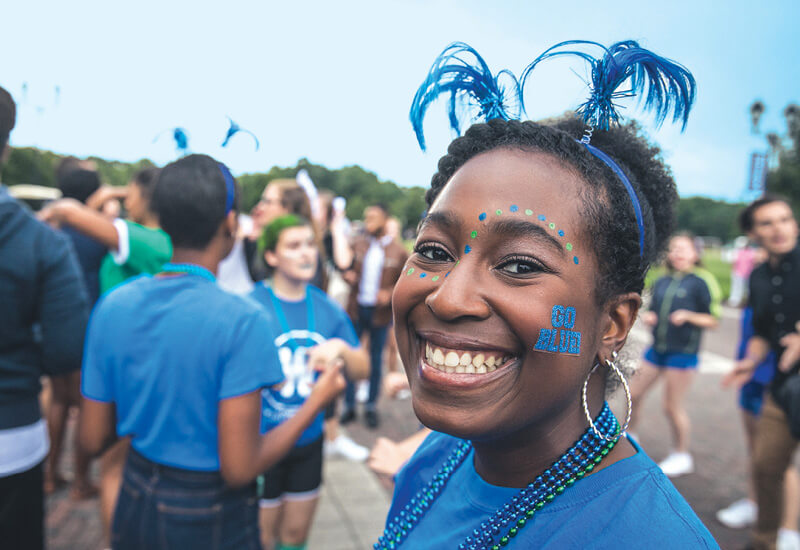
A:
<point x="354" y="502"/>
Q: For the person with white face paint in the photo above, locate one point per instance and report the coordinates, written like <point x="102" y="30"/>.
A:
<point x="311" y="330"/>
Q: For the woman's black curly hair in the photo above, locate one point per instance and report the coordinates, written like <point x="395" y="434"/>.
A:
<point x="610" y="223"/>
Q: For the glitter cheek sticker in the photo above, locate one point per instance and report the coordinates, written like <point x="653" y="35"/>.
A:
<point x="560" y="338"/>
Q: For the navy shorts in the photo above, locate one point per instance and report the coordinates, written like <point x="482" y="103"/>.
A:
<point x="297" y="476"/>
<point x="671" y="360"/>
<point x="751" y="396"/>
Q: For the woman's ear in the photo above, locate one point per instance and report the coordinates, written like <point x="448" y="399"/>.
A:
<point x="620" y="314"/>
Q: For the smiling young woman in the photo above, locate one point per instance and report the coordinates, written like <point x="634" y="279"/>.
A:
<point x="526" y="275"/>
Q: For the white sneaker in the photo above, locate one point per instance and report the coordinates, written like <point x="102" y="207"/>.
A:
<point x="345" y="447"/>
<point x="788" y="540"/>
<point x="739" y="515"/>
<point x="677" y="464"/>
<point x="362" y="391"/>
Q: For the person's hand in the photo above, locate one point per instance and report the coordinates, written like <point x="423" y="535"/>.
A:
<point x="740" y="374"/>
<point x="384" y="297"/>
<point x="649" y="318"/>
<point x="679" y="316"/>
<point x="326" y="353"/>
<point x="350" y="277"/>
<point x="104" y="194"/>
<point x="386" y="457"/>
<point x="329" y="384"/>
<point x="55" y="212"/>
<point x="791" y="352"/>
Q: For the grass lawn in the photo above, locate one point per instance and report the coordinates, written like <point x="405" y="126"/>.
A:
<point x="712" y="261"/>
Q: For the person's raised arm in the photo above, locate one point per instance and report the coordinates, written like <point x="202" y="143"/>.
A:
<point x="757" y="351"/>
<point x="83" y="219"/>
<point x="243" y="452"/>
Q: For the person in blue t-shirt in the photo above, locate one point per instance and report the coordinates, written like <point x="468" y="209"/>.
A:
<point x="177" y="365"/>
<point x="312" y="331"/>
<point x="524" y="283"/>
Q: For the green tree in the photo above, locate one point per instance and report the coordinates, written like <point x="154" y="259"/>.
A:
<point x="708" y="217"/>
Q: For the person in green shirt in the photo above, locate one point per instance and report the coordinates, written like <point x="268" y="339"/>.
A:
<point x="136" y="245"/>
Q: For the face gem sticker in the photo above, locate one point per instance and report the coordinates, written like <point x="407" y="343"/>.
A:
<point x="513" y="208"/>
<point x="410" y="271"/>
<point x="467" y="249"/>
<point x="473" y="234"/>
<point x="528" y="212"/>
<point x="560" y="339"/>
<point x="498" y="211"/>
<point x="482" y="216"/>
<point x="542" y="217"/>
<point x="422" y="275"/>
<point x="560" y="232"/>
<point x="575" y="259"/>
<point x="435" y="278"/>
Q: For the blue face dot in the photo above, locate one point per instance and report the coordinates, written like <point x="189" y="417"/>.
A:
<point x="541" y="217"/>
<point x="482" y="216"/>
<point x="575" y="259"/>
<point x="422" y="275"/>
<point x="467" y="249"/>
<point x="513" y="208"/>
<point x="560" y="232"/>
<point x="446" y="274"/>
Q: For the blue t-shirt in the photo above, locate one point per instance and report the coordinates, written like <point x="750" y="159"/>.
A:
<point x="329" y="321"/>
<point x="165" y="351"/>
<point x="630" y="504"/>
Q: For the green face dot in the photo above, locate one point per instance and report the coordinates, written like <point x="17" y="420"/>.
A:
<point x="569" y="246"/>
<point x="435" y="278"/>
<point x="498" y="211"/>
<point x="529" y="212"/>
<point x="410" y="271"/>
<point x="473" y="234"/>
<point x="552" y="225"/>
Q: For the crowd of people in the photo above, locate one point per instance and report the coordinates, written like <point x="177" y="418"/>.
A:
<point x="206" y="349"/>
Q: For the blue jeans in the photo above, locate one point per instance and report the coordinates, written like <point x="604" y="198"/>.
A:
<point x="162" y="508"/>
<point x="377" y="340"/>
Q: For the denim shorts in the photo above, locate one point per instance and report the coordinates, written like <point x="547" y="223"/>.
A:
<point x="671" y="360"/>
<point x="162" y="508"/>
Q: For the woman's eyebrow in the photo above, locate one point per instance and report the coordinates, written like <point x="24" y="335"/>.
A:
<point x="446" y="220"/>
<point x="511" y="227"/>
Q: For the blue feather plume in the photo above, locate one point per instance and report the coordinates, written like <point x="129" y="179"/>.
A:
<point x="664" y="85"/>
<point x="234" y="129"/>
<point x="474" y="92"/>
<point x="180" y="137"/>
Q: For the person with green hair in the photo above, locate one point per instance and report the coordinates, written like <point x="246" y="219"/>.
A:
<point x="312" y="330"/>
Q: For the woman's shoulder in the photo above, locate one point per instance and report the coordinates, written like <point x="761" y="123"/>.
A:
<point x="632" y="504"/>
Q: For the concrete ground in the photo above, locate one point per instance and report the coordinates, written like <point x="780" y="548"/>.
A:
<point x="354" y="501"/>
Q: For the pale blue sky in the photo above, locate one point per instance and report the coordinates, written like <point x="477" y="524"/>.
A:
<point x="333" y="81"/>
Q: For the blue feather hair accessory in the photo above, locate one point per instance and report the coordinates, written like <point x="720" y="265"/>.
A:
<point x="664" y="85"/>
<point x="474" y="93"/>
<point x="233" y="129"/>
<point x="180" y="137"/>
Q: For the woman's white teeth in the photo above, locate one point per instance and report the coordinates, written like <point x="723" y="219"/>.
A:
<point x="466" y="363"/>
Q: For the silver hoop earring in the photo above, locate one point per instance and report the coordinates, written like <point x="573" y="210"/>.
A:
<point x="610" y="364"/>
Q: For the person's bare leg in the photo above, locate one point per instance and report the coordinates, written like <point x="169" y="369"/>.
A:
<point x="791" y="499"/>
<point x="749" y="422"/>
<point x="678" y="382"/>
<point x="82" y="487"/>
<point x="112" y="463"/>
<point x="298" y="515"/>
<point x="56" y="426"/>
<point x="641" y="383"/>
<point x="269" y="518"/>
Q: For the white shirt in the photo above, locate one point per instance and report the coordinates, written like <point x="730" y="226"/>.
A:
<point x="371" y="271"/>
<point x="23" y="448"/>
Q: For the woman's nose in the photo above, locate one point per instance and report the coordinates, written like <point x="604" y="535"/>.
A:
<point x="456" y="295"/>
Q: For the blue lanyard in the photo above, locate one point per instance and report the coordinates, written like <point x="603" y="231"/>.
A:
<point x="187" y="269"/>
<point x="276" y="305"/>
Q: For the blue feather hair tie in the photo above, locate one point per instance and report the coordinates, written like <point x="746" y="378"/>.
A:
<point x="474" y="93"/>
<point x="663" y="86"/>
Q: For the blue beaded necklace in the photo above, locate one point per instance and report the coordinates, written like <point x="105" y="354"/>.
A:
<point x="187" y="269"/>
<point x="499" y="529"/>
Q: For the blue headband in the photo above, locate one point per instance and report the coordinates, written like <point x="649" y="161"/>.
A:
<point x="637" y="209"/>
<point x="230" y="187"/>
